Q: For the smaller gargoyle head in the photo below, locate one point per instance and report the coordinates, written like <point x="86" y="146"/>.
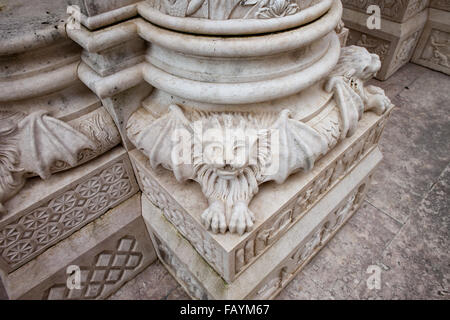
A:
<point x="357" y="62"/>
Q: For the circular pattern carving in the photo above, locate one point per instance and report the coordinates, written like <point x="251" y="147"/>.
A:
<point x="18" y="252"/>
<point x="36" y="219"/>
<point x="119" y="189"/>
<point x="8" y="236"/>
<point x="64" y="203"/>
<point x="90" y="188"/>
<point x="113" y="174"/>
<point x="98" y="203"/>
<point x="47" y="233"/>
<point x="73" y="218"/>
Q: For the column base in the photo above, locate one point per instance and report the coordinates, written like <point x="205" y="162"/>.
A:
<point x="272" y="271"/>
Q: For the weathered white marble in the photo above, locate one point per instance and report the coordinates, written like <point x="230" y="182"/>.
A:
<point x="46" y="211"/>
<point x="95" y="14"/>
<point x="229" y="182"/>
<point x="280" y="263"/>
<point x="37" y="144"/>
<point x="109" y="252"/>
<point x="61" y="166"/>
<point x="219" y="66"/>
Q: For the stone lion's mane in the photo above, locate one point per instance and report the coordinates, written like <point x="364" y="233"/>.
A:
<point x="245" y="185"/>
<point x="10" y="179"/>
<point x="352" y="58"/>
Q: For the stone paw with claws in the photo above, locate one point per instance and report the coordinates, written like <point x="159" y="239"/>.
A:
<point x="242" y="219"/>
<point x="214" y="217"/>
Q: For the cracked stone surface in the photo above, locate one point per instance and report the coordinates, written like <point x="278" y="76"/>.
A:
<point x="403" y="226"/>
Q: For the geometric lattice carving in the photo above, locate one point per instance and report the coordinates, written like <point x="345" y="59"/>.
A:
<point x="58" y="218"/>
<point x="107" y="269"/>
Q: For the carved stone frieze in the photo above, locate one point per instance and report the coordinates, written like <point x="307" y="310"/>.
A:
<point x="29" y="235"/>
<point x="405" y="51"/>
<point x="93" y="263"/>
<point x="433" y="50"/>
<point x="439" y="45"/>
<point x="251" y="249"/>
<point x="394" y="42"/>
<point x="271" y="271"/>
<point x="281" y="276"/>
<point x="230" y="263"/>
<point x="229" y="9"/>
<point x="374" y="45"/>
<point x="173" y="212"/>
<point x="37" y="144"/>
<point x="190" y="283"/>
<point x="107" y="269"/>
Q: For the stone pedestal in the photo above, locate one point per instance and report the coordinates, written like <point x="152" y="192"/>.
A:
<point x="248" y="125"/>
<point x="275" y="78"/>
<point x="433" y="50"/>
<point x="279" y="209"/>
<point x="268" y="274"/>
<point x="395" y="41"/>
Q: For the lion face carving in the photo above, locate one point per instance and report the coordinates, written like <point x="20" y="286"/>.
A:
<point x="229" y="154"/>
<point x="233" y="160"/>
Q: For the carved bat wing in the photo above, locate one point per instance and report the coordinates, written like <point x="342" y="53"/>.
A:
<point x="45" y="140"/>
<point x="298" y="148"/>
<point x="351" y="105"/>
<point x="165" y="139"/>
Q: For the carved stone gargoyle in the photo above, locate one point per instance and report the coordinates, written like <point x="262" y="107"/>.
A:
<point x="356" y="65"/>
